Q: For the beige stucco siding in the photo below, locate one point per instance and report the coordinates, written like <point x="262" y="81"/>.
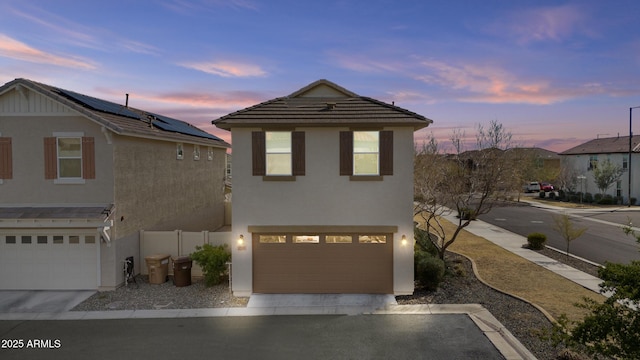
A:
<point x="29" y="186"/>
<point x="323" y="197"/>
<point x="159" y="195"/>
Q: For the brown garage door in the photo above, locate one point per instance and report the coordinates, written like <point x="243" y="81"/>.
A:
<point x="335" y="263"/>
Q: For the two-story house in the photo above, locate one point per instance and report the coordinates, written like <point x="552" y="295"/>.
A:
<point x="586" y="157"/>
<point x="322" y="194"/>
<point x="81" y="176"/>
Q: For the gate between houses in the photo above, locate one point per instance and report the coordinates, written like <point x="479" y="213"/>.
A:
<point x="178" y="243"/>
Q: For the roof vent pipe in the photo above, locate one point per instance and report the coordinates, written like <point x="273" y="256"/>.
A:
<point x="126" y="101"/>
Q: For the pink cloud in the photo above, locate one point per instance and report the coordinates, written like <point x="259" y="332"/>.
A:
<point x="486" y="84"/>
<point x="15" y="49"/>
<point x="227" y="68"/>
<point x="545" y="24"/>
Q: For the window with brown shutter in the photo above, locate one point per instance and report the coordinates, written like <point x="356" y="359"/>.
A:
<point x="88" y="158"/>
<point x="50" y="158"/>
<point x="385" y="153"/>
<point x="6" y="165"/>
<point x="259" y="154"/>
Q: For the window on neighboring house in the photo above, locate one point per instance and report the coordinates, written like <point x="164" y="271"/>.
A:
<point x="625" y="162"/>
<point x="366" y="153"/>
<point x="179" y="151"/>
<point x="593" y="162"/>
<point x="209" y="153"/>
<point x="69" y="157"/>
<point x="6" y="165"/>
<point x="228" y="164"/>
<point x="619" y="188"/>
<point x="278" y="153"/>
<point x="196" y="152"/>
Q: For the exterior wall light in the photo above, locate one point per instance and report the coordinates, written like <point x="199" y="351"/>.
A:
<point x="241" y="245"/>
<point x="403" y="242"/>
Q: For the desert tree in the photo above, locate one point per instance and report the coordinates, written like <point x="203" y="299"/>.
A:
<point x="469" y="183"/>
<point x="567" y="229"/>
<point x="605" y="174"/>
<point x="568" y="177"/>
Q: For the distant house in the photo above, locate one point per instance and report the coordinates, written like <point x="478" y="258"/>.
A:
<point x="81" y="176"/>
<point x="322" y="194"/>
<point x="586" y="157"/>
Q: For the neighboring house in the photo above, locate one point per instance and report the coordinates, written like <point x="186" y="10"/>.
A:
<point x="80" y="177"/>
<point x="585" y="158"/>
<point x="322" y="194"/>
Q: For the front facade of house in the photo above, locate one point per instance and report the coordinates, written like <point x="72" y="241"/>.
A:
<point x="586" y="157"/>
<point x="80" y="177"/>
<point x="323" y="194"/>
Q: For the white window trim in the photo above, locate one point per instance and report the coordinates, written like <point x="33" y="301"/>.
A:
<point x="377" y="153"/>
<point x="196" y="152"/>
<point x="266" y="154"/>
<point x="68" y="180"/>
<point x="179" y="151"/>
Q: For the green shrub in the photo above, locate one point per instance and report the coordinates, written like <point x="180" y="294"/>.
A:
<point x="633" y="201"/>
<point x="213" y="261"/>
<point x="588" y="198"/>
<point x="552" y="195"/>
<point x="423" y="242"/>
<point x="541" y="194"/>
<point x="536" y="241"/>
<point x="467" y="214"/>
<point x="606" y="200"/>
<point x="429" y="270"/>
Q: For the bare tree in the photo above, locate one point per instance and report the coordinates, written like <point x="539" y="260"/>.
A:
<point x="568" y="177"/>
<point x="564" y="226"/>
<point x="469" y="183"/>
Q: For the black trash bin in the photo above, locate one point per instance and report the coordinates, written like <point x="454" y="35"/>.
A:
<point x="182" y="271"/>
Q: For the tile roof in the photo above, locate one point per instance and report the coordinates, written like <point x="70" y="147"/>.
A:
<point x="308" y="108"/>
<point x="611" y="145"/>
<point x="128" y="121"/>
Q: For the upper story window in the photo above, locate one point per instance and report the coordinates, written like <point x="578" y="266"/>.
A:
<point x="196" y="152"/>
<point x="69" y="158"/>
<point x="625" y="162"/>
<point x="593" y="162"/>
<point x="209" y="153"/>
<point x="366" y="153"/>
<point x="278" y="153"/>
<point x="179" y="151"/>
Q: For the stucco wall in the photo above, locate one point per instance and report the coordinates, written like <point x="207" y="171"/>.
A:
<point x="164" y="193"/>
<point x="323" y="197"/>
<point x="29" y="186"/>
<point x="581" y="164"/>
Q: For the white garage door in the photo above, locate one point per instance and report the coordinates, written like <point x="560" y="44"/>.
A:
<point x="42" y="261"/>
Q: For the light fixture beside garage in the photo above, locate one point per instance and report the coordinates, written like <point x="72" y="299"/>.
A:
<point x="403" y="242"/>
<point x="241" y="245"/>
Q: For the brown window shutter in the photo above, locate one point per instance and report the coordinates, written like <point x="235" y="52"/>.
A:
<point x="88" y="158"/>
<point x="346" y="152"/>
<point x="386" y="152"/>
<point x="298" y="153"/>
<point x="50" y="158"/>
<point x="6" y="165"/>
<point x="258" y="153"/>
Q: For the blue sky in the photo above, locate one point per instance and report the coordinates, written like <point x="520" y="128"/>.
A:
<point x="554" y="73"/>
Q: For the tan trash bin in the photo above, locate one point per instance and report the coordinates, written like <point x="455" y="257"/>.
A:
<point x="158" y="266"/>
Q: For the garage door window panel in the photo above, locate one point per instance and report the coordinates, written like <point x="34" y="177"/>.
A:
<point x="10" y="239"/>
<point x="339" y="239"/>
<point x="372" y="239"/>
<point x="306" y="239"/>
<point x="42" y="239"/>
<point x="89" y="239"/>
<point x="272" y="239"/>
<point x="58" y="239"/>
<point x="26" y="239"/>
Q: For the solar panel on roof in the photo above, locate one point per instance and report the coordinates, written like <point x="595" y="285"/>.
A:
<point x="169" y="124"/>
<point x="99" y="105"/>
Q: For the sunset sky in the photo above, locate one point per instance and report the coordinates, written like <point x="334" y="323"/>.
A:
<point x="554" y="73"/>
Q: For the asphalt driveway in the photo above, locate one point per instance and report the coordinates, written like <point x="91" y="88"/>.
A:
<point x="406" y="336"/>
